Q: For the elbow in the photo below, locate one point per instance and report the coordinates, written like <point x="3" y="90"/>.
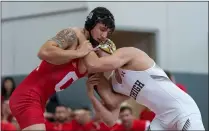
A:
<point x="92" y="67"/>
<point x="43" y="54"/>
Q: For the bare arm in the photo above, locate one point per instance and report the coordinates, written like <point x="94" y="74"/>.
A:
<point x="108" y="111"/>
<point x="105" y="90"/>
<point x="109" y="116"/>
<point x="108" y="63"/>
<point x="54" y="50"/>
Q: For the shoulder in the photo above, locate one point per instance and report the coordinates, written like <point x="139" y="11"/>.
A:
<point x="79" y="33"/>
<point x="127" y="52"/>
<point x="77" y="30"/>
<point x="127" y="49"/>
<point x="69" y="31"/>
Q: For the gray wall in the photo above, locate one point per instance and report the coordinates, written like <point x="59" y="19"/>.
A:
<point x="27" y="25"/>
<point x="197" y="86"/>
<point x="182" y="30"/>
<point x="180" y="25"/>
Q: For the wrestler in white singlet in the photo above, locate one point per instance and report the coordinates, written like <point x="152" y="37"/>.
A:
<point x="174" y="108"/>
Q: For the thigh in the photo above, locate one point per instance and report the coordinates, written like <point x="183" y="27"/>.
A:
<point x="27" y="109"/>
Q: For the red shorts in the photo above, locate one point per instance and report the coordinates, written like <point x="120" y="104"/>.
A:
<point x="26" y="107"/>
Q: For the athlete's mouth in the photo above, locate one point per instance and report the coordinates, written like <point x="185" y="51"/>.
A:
<point x="99" y="40"/>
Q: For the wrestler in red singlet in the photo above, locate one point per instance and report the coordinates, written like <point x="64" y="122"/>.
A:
<point x="63" y="51"/>
<point x="35" y="90"/>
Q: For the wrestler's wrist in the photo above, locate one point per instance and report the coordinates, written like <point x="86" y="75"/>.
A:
<point x="80" y="54"/>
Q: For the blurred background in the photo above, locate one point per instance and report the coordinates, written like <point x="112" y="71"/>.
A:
<point x="174" y="34"/>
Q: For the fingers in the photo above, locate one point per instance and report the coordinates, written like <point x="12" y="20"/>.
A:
<point x="85" y="48"/>
<point x="93" y="82"/>
<point x="87" y="42"/>
<point x="90" y="74"/>
<point x="94" y="79"/>
<point x="90" y="89"/>
<point x="96" y="48"/>
<point x="95" y="75"/>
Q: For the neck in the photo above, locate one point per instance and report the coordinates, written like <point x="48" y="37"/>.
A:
<point x="86" y="33"/>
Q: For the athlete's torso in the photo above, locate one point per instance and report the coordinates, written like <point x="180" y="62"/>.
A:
<point x="153" y="89"/>
<point x="47" y="78"/>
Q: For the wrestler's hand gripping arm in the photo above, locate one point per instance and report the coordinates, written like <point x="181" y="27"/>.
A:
<point x="109" y="117"/>
<point x="109" y="113"/>
<point x="56" y="50"/>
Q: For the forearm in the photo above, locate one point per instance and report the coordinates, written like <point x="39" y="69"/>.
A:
<point x="58" y="56"/>
<point x="95" y="64"/>
<point x="107" y="96"/>
<point x="111" y="98"/>
<point x="103" y="112"/>
<point x="90" y="61"/>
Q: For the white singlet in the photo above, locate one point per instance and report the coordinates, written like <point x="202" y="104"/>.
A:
<point x="152" y="88"/>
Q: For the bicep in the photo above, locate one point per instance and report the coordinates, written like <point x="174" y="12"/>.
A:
<point x="116" y="60"/>
<point x="65" y="38"/>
